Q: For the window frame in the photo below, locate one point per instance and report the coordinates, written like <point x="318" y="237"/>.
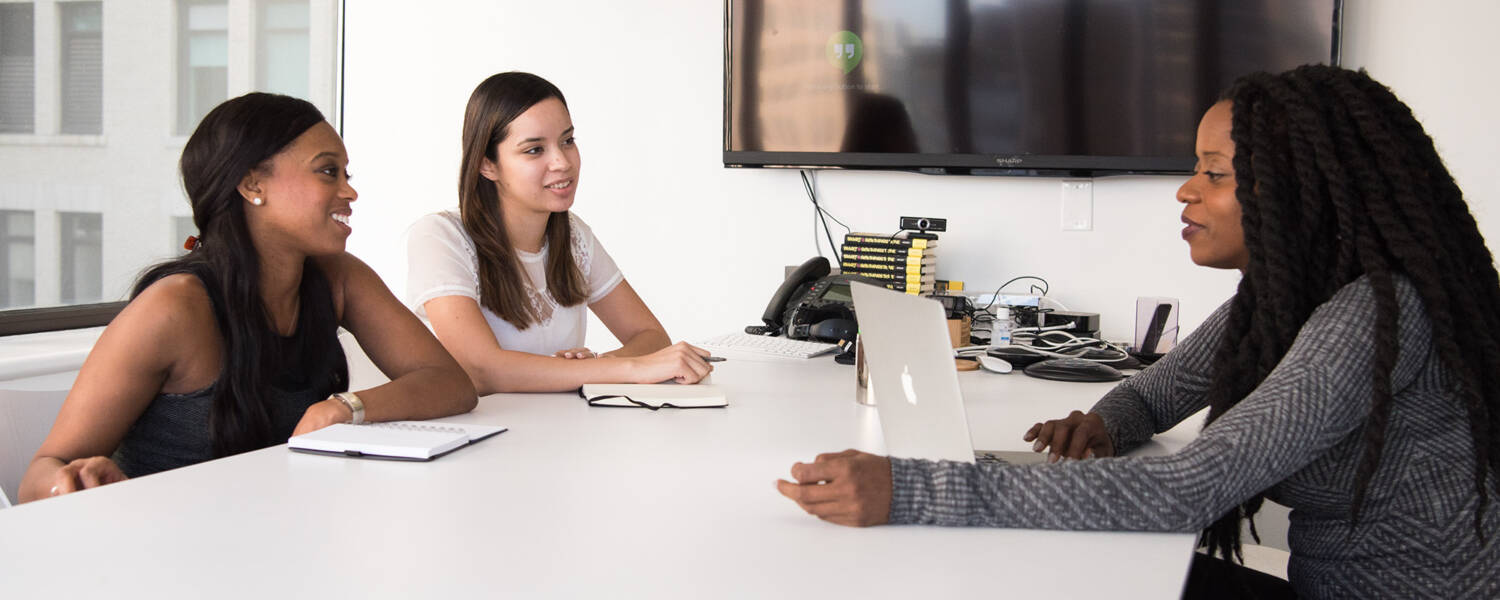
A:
<point x="19" y="321"/>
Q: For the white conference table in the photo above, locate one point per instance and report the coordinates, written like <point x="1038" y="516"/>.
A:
<point x="579" y="501"/>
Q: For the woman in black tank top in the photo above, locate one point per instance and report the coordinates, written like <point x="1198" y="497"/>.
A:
<point x="233" y="347"/>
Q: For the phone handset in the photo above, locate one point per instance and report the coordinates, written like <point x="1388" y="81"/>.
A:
<point x="813" y="269"/>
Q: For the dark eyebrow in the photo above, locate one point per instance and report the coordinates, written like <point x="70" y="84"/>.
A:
<point x="532" y="140"/>
<point x="320" y="155"/>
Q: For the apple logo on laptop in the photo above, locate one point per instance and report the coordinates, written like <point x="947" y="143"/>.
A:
<point x="906" y="386"/>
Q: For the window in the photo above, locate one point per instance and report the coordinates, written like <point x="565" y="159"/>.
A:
<point x="17" y="258"/>
<point x="282" y="50"/>
<point x="82" y="60"/>
<point x="81" y="256"/>
<point x="203" y="60"/>
<point x="17" y="68"/>
<point x="92" y="125"/>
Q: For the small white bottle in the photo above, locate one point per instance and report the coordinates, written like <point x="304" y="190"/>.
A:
<point x="1000" y="329"/>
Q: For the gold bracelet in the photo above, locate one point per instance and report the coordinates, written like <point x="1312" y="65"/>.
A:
<point x="355" y="405"/>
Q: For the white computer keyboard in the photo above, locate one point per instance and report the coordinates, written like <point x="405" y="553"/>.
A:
<point x="770" y="346"/>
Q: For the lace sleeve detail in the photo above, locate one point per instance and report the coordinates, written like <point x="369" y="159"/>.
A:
<point x="580" y="237"/>
<point x="597" y="266"/>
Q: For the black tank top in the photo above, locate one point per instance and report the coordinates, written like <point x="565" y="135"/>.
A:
<point x="174" y="429"/>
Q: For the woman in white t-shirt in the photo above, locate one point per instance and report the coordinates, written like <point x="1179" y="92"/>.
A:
<point x="504" y="279"/>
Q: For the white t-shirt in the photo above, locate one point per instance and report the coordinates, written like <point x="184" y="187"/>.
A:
<point x="441" y="262"/>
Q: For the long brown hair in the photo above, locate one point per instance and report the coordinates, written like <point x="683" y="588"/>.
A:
<point x="496" y="102"/>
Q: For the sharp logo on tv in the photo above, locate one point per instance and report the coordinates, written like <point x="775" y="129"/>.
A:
<point x="1008" y="161"/>
<point x="844" y="50"/>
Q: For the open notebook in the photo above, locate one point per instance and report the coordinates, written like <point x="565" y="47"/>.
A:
<point x="395" y="440"/>
<point x="654" y="395"/>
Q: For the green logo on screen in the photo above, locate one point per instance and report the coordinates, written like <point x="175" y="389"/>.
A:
<point x="845" y="50"/>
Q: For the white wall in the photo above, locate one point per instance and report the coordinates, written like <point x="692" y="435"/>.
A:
<point x="705" y="245"/>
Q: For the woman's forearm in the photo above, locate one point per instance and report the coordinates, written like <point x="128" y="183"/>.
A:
<point x="425" y="393"/>
<point x="37" y="482"/>
<point x="509" y="371"/>
<point x="642" y="343"/>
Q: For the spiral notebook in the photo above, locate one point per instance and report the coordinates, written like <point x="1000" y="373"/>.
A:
<point x="395" y="440"/>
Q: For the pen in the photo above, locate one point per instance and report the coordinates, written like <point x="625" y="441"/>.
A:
<point x="714" y="359"/>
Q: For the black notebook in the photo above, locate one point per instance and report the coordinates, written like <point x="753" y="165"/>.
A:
<point x="654" y="395"/>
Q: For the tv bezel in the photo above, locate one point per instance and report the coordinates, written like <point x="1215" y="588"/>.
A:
<point x="934" y="163"/>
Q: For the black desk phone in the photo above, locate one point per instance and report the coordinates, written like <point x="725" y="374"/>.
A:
<point x="812" y="304"/>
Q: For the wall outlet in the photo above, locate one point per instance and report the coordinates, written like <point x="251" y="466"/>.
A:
<point x="1077" y="204"/>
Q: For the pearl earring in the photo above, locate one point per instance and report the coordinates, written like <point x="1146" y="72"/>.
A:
<point x="257" y="201"/>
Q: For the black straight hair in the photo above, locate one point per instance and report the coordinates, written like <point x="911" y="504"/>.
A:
<point x="236" y="137"/>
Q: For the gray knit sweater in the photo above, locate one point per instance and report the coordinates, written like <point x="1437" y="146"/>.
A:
<point x="1297" y="437"/>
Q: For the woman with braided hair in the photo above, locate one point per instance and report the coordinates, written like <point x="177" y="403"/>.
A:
<point x="1354" y="376"/>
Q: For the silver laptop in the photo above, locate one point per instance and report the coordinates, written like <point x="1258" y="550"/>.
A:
<point x="914" y="380"/>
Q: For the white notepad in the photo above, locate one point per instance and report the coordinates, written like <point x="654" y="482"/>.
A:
<point x="397" y="440"/>
<point x="654" y="395"/>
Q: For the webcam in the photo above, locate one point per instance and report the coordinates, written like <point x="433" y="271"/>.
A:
<point x="924" y="223"/>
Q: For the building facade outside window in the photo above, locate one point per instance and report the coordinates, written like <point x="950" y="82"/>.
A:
<point x="96" y="101"/>
<point x="282" y="47"/>
<point x="82" y="67"/>
<point x="80" y="246"/>
<point x="203" y="60"/>
<point x="17" y="258"/>
<point x="17" y="67"/>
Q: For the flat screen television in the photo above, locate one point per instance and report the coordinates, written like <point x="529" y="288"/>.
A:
<point x="997" y="87"/>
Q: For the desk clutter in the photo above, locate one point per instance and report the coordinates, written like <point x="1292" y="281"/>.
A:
<point x="1016" y="331"/>
<point x="1069" y="349"/>
<point x="814" y="308"/>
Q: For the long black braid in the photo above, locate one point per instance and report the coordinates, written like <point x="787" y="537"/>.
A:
<point x="1337" y="180"/>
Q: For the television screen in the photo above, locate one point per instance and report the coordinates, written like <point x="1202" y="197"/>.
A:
<point x="1008" y="87"/>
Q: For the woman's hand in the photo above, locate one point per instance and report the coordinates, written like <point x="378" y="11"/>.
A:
<point x="1078" y="435"/>
<point x="323" y="414"/>
<point x="681" y="362"/>
<point x="575" y="353"/>
<point x="85" y="473"/>
<point x="849" y="488"/>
